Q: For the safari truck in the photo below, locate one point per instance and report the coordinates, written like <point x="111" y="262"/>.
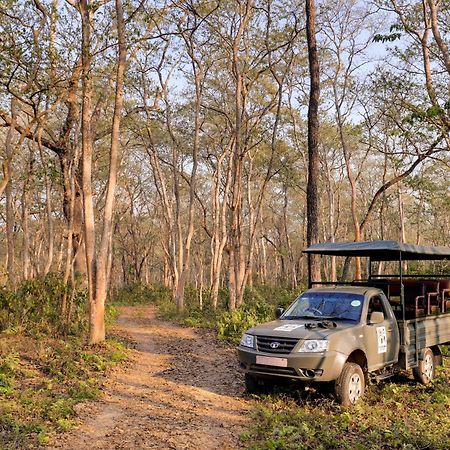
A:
<point x="349" y="331"/>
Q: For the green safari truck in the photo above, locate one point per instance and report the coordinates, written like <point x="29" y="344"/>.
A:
<point x="345" y="332"/>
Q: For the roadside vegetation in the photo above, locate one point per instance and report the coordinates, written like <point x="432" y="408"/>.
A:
<point x="176" y="144"/>
<point x="258" y="306"/>
<point x="46" y="368"/>
<point x="395" y="414"/>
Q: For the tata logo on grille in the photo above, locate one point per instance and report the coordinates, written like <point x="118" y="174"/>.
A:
<point x="274" y="345"/>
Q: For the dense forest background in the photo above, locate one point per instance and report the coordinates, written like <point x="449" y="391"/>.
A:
<point x="165" y="142"/>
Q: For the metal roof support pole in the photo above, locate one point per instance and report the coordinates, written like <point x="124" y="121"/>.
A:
<point x="370" y="268"/>
<point x="309" y="271"/>
<point x="402" y="288"/>
<point x="402" y="300"/>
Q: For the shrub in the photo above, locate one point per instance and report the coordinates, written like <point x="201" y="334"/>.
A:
<point x="135" y="294"/>
<point x="43" y="379"/>
<point x="8" y="364"/>
<point x="36" y="307"/>
<point x="258" y="307"/>
<point x="231" y="325"/>
<point x="275" y="295"/>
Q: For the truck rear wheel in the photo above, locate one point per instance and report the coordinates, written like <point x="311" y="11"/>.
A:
<point x="424" y="372"/>
<point x="349" y="387"/>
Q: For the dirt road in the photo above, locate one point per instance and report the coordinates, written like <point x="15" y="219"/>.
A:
<point x="181" y="390"/>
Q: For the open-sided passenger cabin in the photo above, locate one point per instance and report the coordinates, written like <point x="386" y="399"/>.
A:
<point x="423" y="294"/>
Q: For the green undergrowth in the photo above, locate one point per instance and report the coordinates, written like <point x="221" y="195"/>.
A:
<point x="42" y="379"/>
<point x="46" y="368"/>
<point x="258" y="306"/>
<point x="397" y="414"/>
<point x="43" y="305"/>
<point x="140" y="294"/>
<point x="400" y="414"/>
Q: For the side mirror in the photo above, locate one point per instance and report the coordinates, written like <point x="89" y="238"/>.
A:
<point x="376" y="317"/>
<point x="279" y="312"/>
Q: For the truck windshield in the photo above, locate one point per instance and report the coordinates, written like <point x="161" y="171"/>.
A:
<point x="326" y="305"/>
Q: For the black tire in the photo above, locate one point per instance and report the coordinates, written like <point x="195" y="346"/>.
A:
<point x="255" y="385"/>
<point x="349" y="387"/>
<point x="251" y="384"/>
<point x="424" y="372"/>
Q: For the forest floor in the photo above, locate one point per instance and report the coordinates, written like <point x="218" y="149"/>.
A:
<point x="180" y="389"/>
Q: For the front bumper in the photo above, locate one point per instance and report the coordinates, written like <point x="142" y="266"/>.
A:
<point x="326" y="366"/>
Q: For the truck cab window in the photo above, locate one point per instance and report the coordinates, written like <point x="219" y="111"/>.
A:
<point x="375" y="304"/>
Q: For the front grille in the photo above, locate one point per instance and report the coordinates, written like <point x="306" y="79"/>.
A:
<point x="260" y="368"/>
<point x="269" y="344"/>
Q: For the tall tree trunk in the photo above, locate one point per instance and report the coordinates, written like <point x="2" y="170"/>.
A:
<point x="185" y="244"/>
<point x="292" y="271"/>
<point x="96" y="321"/>
<point x="69" y="269"/>
<point x="312" y="207"/>
<point x="219" y="229"/>
<point x="237" y="261"/>
<point x="9" y="148"/>
<point x="48" y="206"/>
<point x="331" y="217"/>
<point x="264" y="261"/>
<point x="25" y="219"/>
<point x="235" y="235"/>
<point x="97" y="332"/>
<point x="442" y="45"/>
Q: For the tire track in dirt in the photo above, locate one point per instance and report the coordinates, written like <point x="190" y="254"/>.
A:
<point x="181" y="390"/>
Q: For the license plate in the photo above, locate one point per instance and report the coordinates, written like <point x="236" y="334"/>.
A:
<point x="270" y="361"/>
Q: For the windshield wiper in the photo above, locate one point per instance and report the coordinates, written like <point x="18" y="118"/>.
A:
<point x="346" y="318"/>
<point x="302" y="317"/>
<point x="337" y="318"/>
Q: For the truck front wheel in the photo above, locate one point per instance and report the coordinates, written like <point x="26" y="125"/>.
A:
<point x="424" y="372"/>
<point x="253" y="385"/>
<point x="258" y="385"/>
<point x="349" y="387"/>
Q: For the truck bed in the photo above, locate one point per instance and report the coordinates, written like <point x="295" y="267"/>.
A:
<point x="420" y="333"/>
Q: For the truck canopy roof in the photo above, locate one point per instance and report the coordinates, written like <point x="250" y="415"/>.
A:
<point x="380" y="250"/>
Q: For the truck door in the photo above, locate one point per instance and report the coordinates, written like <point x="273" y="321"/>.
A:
<point x="381" y="339"/>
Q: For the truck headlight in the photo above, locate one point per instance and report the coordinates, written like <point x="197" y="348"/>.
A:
<point x="248" y="340"/>
<point x="314" y="346"/>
